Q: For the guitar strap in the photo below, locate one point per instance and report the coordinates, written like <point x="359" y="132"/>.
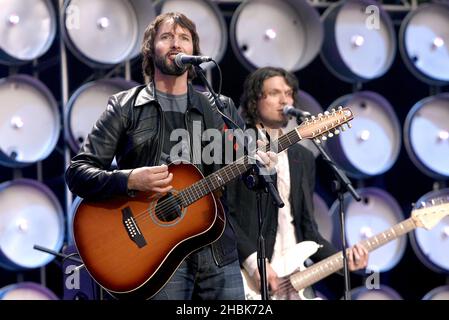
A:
<point x="209" y="123"/>
<point x="207" y="112"/>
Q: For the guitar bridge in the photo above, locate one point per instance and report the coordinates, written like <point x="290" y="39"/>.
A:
<point x="131" y="228"/>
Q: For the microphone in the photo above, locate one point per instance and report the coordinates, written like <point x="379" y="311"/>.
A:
<point x="292" y="111"/>
<point x="181" y="60"/>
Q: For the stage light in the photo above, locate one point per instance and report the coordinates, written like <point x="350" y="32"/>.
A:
<point x="423" y="42"/>
<point x="438" y="293"/>
<point x="30" y="215"/>
<point x="359" y="42"/>
<point x="286" y="34"/>
<point x="431" y="246"/>
<point x="382" y="293"/>
<point x="26" y="291"/>
<point x="29" y="121"/>
<point x="102" y="33"/>
<point x="209" y="21"/>
<point x="86" y="105"/>
<point x="377" y="212"/>
<point x="373" y="144"/>
<point x="29" y="30"/>
<point x="426" y="133"/>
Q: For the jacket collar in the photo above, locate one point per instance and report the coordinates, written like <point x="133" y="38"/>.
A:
<point x="147" y="95"/>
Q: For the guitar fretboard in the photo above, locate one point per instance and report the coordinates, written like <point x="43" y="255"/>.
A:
<point x="334" y="263"/>
<point x="228" y="173"/>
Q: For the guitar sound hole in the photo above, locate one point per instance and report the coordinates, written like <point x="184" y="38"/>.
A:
<point x="168" y="208"/>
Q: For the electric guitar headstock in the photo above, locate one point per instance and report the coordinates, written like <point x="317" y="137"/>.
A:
<point x="430" y="213"/>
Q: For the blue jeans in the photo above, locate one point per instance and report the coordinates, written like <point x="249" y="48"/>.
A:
<point x="199" y="278"/>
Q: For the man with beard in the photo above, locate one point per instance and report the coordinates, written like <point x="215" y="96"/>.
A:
<point x="266" y="92"/>
<point x="137" y="129"/>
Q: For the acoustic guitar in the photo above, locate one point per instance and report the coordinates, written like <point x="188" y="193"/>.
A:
<point x="131" y="246"/>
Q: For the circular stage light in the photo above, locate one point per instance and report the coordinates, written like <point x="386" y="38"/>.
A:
<point x="85" y="287"/>
<point x="383" y="293"/>
<point x="431" y="246"/>
<point x="87" y="104"/>
<point x="209" y="22"/>
<point x="439" y="293"/>
<point x="426" y="135"/>
<point x="102" y="33"/>
<point x="286" y="34"/>
<point x="29" y="121"/>
<point x="360" y="41"/>
<point x="30" y="215"/>
<point x="376" y="213"/>
<point x="27" y="30"/>
<point x="26" y="291"/>
<point x="373" y="144"/>
<point x="424" y="42"/>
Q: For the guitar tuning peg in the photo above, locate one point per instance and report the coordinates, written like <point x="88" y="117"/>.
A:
<point x="324" y="138"/>
<point x="340" y="108"/>
<point x="330" y="135"/>
<point x="326" y="113"/>
<point x="320" y="115"/>
<point x="349" y="125"/>
<point x="312" y="117"/>
<point x="343" y="128"/>
<point x="337" y="132"/>
<point x="317" y="140"/>
<point x="333" y="110"/>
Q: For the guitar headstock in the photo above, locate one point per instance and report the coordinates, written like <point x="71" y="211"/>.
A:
<point x="326" y="125"/>
<point x="431" y="213"/>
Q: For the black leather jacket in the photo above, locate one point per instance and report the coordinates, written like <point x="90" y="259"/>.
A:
<point x="130" y="130"/>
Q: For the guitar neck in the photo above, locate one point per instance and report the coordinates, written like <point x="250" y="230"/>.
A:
<point x="326" y="267"/>
<point x="228" y="173"/>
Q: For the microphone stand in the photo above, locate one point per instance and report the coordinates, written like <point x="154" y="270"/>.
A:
<point x="258" y="179"/>
<point x="68" y="257"/>
<point x="340" y="185"/>
<point x="60" y="255"/>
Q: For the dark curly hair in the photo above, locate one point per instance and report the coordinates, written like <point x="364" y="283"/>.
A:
<point x="253" y="86"/>
<point x="147" y="48"/>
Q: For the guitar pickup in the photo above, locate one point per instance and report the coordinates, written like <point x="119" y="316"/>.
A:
<point x="131" y="228"/>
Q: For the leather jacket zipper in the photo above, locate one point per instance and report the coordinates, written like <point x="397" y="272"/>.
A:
<point x="161" y="133"/>
<point x="189" y="129"/>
